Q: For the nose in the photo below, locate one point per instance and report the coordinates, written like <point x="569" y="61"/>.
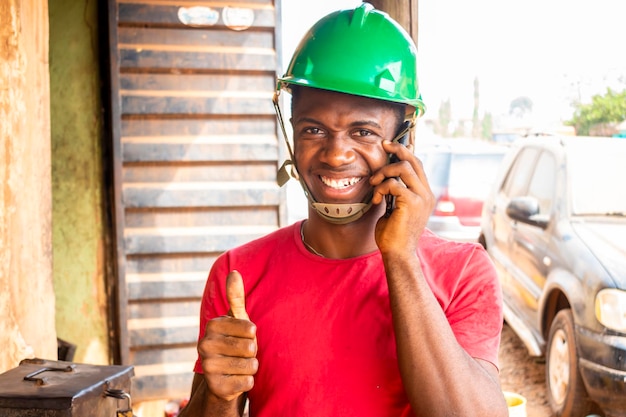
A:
<point x="338" y="150"/>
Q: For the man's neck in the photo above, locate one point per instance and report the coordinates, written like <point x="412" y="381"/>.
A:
<point x="340" y="241"/>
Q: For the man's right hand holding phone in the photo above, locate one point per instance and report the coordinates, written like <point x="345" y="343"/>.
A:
<point x="399" y="230"/>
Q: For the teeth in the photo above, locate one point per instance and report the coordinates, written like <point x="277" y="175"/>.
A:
<point x="342" y="183"/>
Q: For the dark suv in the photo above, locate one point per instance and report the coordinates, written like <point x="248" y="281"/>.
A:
<point x="555" y="227"/>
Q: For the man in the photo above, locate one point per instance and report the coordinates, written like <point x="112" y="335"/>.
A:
<point x="358" y="310"/>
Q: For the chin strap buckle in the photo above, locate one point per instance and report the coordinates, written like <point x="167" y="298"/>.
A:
<point x="341" y="213"/>
<point x="286" y="172"/>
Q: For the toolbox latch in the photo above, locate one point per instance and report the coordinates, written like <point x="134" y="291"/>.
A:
<point x="120" y="394"/>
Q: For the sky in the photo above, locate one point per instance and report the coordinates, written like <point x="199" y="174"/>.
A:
<point x="551" y="51"/>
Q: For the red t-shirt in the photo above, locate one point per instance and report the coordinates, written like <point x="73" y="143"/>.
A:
<point x="326" y="343"/>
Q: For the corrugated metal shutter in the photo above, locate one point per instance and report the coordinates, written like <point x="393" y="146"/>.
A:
<point x="195" y="156"/>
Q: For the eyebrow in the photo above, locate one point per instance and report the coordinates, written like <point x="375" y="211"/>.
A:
<point x="353" y="124"/>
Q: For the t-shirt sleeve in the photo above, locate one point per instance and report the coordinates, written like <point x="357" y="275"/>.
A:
<point x="214" y="302"/>
<point x="475" y="311"/>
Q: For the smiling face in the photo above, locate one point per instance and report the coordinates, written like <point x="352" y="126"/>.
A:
<point x="337" y="142"/>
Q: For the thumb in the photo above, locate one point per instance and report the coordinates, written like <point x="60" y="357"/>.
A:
<point x="236" y="296"/>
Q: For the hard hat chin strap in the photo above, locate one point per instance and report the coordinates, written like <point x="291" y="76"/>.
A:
<point x="342" y="213"/>
<point x="333" y="213"/>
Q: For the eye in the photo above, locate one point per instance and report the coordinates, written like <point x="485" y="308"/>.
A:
<point x="312" y="131"/>
<point x="363" y="133"/>
<point x="366" y="136"/>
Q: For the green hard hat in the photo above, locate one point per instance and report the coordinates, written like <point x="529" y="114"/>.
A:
<point x="359" y="51"/>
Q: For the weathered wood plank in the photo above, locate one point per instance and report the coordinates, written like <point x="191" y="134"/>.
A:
<point x="163" y="287"/>
<point x="166" y="308"/>
<point x="200" y="217"/>
<point x="165" y="290"/>
<point x="138" y="57"/>
<point x="185" y="36"/>
<point x="166" y="368"/>
<point x="163" y="330"/>
<point x="245" y="125"/>
<point x="134" y="104"/>
<point x="163" y="373"/>
<point x="169" y="355"/>
<point x="191" y="240"/>
<point x="199" y="194"/>
<point x="137" y="264"/>
<point x="198" y="82"/>
<point x="152" y="13"/>
<point x="208" y="3"/>
<point x="193" y="172"/>
<point x="200" y="149"/>
<point x="155" y="387"/>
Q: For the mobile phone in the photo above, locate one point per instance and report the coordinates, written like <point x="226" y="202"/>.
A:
<point x="403" y="138"/>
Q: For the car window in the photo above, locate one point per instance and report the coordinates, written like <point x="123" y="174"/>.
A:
<point x="516" y="181"/>
<point x="472" y="175"/>
<point x="436" y="166"/>
<point x="543" y="181"/>
<point x="595" y="180"/>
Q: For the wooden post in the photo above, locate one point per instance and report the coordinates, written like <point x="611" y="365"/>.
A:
<point x="405" y="13"/>
<point x="402" y="11"/>
<point x="27" y="324"/>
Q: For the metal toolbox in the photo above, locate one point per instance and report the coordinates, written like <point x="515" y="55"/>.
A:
<point x="43" y="388"/>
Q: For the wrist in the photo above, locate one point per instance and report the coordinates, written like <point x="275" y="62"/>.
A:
<point x="218" y="406"/>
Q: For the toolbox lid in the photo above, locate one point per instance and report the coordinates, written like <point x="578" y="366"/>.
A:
<point x="58" y="385"/>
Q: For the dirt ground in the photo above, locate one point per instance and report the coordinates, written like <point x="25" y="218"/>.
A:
<point x="523" y="374"/>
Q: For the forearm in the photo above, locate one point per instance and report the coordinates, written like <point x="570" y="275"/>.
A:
<point x="440" y="378"/>
<point x="202" y="403"/>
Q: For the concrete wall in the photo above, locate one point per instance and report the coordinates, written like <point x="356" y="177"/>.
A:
<point x="77" y="214"/>
<point x="26" y="293"/>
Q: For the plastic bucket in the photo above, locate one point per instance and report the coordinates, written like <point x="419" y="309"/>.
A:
<point x="516" y="404"/>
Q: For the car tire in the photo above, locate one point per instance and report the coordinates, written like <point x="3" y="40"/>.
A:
<point x="566" y="391"/>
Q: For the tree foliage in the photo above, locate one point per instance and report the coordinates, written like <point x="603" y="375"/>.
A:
<point x="487" y="126"/>
<point x="475" y="116"/>
<point x="607" y="108"/>
<point x="520" y="106"/>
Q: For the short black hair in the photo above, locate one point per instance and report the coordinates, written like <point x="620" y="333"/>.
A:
<point x="398" y="108"/>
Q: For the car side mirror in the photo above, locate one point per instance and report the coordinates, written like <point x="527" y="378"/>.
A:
<point x="526" y="210"/>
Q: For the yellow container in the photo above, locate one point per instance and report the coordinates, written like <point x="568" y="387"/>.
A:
<point x="516" y="404"/>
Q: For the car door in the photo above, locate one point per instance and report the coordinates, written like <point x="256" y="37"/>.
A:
<point x="514" y="184"/>
<point x="529" y="241"/>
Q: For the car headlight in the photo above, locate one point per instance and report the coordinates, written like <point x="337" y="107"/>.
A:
<point x="611" y="309"/>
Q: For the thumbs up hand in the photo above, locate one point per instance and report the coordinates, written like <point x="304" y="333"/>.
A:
<point x="236" y="296"/>
<point x="228" y="349"/>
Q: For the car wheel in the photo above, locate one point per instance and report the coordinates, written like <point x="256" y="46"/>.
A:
<point x="566" y="391"/>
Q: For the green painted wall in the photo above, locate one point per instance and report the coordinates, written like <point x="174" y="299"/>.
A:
<point x="77" y="194"/>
